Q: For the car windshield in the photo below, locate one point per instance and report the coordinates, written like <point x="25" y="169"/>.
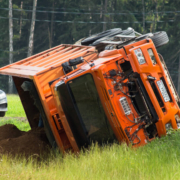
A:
<point x="90" y="109"/>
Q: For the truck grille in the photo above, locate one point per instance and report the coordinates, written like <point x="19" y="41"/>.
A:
<point x="156" y="92"/>
<point x="125" y="105"/>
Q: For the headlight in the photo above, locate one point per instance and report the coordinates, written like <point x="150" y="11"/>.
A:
<point x="2" y="94"/>
<point x="140" y="56"/>
<point x="3" y="100"/>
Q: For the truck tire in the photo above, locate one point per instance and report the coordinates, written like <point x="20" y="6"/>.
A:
<point x="95" y="37"/>
<point x="160" y="38"/>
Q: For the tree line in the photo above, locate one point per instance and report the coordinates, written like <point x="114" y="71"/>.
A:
<point x="31" y="26"/>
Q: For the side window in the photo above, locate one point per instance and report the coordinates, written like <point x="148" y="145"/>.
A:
<point x="151" y="54"/>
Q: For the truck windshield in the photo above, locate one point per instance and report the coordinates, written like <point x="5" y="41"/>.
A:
<point x="90" y="109"/>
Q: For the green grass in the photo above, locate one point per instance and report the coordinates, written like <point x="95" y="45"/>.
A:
<point x="15" y="108"/>
<point x="158" y="160"/>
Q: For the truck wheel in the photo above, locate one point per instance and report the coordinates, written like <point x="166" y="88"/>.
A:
<point x="95" y="37"/>
<point x="160" y="38"/>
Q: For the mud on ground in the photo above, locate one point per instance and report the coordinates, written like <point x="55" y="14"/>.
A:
<point x="20" y="143"/>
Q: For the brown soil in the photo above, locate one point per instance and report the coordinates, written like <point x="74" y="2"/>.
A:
<point x="20" y="143"/>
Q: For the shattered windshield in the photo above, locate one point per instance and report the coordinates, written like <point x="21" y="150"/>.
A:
<point x="89" y="107"/>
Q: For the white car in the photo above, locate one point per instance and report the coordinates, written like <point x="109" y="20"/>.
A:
<point x="3" y="103"/>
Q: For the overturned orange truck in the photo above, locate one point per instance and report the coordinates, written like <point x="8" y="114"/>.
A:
<point x="112" y="86"/>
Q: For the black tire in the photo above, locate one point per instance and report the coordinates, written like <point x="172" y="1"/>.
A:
<point x="160" y="38"/>
<point x="2" y="114"/>
<point x="95" y="37"/>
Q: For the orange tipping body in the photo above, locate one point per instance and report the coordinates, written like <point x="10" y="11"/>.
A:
<point x="122" y="94"/>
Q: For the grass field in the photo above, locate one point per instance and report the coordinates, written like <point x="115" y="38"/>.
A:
<point x="15" y="108"/>
<point x="158" y="160"/>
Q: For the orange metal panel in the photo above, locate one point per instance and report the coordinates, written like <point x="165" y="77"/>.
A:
<point x="18" y="72"/>
<point x="50" y="58"/>
<point x="39" y="58"/>
<point x="69" y="56"/>
<point x="28" y="68"/>
<point x="65" y="52"/>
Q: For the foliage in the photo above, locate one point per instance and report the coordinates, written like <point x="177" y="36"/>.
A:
<point x="67" y="21"/>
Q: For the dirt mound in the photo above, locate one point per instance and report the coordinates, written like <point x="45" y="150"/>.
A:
<point x="9" y="131"/>
<point x="19" y="143"/>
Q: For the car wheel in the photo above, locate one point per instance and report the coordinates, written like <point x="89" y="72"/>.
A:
<point x="2" y="114"/>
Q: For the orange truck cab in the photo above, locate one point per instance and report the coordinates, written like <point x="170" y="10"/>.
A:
<point x="84" y="94"/>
